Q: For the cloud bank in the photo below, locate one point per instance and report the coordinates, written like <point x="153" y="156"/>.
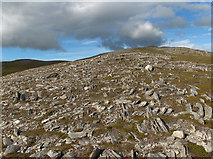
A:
<point x="116" y="25"/>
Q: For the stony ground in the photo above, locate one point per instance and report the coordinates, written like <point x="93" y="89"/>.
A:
<point x="142" y="102"/>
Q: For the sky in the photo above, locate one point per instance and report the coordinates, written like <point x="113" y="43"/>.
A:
<point x="76" y="30"/>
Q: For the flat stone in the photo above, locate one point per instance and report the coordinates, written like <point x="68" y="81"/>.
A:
<point x="75" y="135"/>
<point x="52" y="75"/>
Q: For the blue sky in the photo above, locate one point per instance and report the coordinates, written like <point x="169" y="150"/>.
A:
<point x="70" y="31"/>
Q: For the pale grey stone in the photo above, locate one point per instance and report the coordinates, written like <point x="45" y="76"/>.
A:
<point x="200" y="109"/>
<point x="156" y="96"/>
<point x="11" y="149"/>
<point x="208" y="112"/>
<point x="188" y="107"/>
<point x="149" y="68"/>
<point x="178" y="134"/>
<point x="149" y="92"/>
<point x="193" y="91"/>
<point x="53" y="154"/>
<point x="143" y="104"/>
<point x="7" y="141"/>
<point x="75" y="135"/>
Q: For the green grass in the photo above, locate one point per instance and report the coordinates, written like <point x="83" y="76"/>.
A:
<point x="198" y="151"/>
<point x="9" y="67"/>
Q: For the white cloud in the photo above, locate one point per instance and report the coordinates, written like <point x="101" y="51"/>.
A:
<point x="183" y="43"/>
<point x="187" y="43"/>
<point x="140" y="30"/>
<point x="89" y="42"/>
<point x="41" y="25"/>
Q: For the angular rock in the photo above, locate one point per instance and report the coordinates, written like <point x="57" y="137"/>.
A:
<point x="158" y="125"/>
<point x="143" y="104"/>
<point x="108" y="153"/>
<point x="7" y="142"/>
<point x="163" y="110"/>
<point x="132" y="91"/>
<point x="52" y="75"/>
<point x="193" y="91"/>
<point x="17" y="132"/>
<point x="53" y="154"/>
<point x="11" y="149"/>
<point x="96" y="153"/>
<point x="156" y="96"/>
<point x="208" y="112"/>
<point x="169" y="111"/>
<point x="39" y="93"/>
<point x="149" y="92"/>
<point x="155" y="111"/>
<point x="188" y="107"/>
<point x="100" y="108"/>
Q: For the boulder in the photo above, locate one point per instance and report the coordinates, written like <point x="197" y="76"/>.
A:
<point x="149" y="68"/>
<point x="178" y="134"/>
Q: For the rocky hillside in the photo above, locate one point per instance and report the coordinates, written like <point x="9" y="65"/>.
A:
<point x="141" y="102"/>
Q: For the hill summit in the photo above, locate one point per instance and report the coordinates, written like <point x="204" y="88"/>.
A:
<point x="141" y="102"/>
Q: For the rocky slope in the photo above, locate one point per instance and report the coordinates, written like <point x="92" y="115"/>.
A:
<point x="142" y="102"/>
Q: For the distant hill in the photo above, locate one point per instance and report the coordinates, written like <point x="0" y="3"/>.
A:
<point x="9" y="67"/>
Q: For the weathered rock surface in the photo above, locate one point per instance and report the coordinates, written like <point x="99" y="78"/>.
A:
<point x="142" y="102"/>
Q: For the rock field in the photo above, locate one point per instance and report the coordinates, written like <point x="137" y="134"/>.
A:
<point x="141" y="102"/>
